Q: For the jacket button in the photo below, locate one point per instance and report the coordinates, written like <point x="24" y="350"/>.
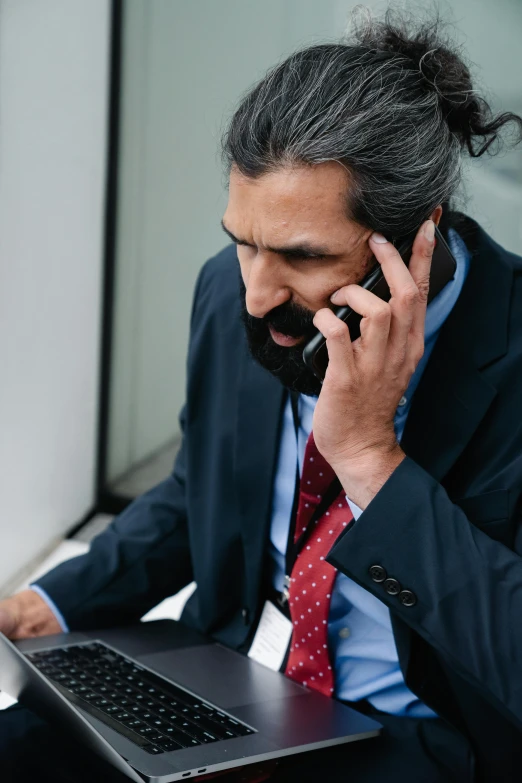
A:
<point x="407" y="598"/>
<point x="377" y="573"/>
<point x="245" y="615"/>
<point x="392" y="587"/>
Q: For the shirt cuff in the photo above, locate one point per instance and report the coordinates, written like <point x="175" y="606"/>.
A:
<point x="52" y="606"/>
<point x="356" y="511"/>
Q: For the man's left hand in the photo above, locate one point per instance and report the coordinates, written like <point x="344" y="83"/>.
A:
<point x="365" y="380"/>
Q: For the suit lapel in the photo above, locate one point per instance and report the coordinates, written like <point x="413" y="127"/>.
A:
<point x="260" y="401"/>
<point x="454" y="394"/>
<point x="445" y="412"/>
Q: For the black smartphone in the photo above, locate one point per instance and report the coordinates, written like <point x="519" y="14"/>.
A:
<point x="443" y="266"/>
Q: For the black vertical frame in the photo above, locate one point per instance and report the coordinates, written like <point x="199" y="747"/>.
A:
<point x="106" y="501"/>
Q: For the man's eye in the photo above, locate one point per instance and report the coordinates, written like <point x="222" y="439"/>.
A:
<point x="304" y="259"/>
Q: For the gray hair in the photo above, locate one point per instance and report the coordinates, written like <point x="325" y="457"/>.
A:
<point x="395" y="106"/>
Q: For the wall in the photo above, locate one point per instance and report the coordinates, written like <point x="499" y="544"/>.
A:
<point x="185" y="66"/>
<point x="491" y="34"/>
<point x="53" y="109"/>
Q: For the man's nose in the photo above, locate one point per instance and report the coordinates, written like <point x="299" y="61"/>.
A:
<point x="265" y="287"/>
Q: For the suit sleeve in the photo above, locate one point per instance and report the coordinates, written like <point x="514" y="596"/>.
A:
<point x="457" y="588"/>
<point x="143" y="556"/>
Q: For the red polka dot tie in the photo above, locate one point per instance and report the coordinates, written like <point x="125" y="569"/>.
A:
<point x="312" y="578"/>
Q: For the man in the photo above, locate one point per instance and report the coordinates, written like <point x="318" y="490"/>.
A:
<point x="338" y="150"/>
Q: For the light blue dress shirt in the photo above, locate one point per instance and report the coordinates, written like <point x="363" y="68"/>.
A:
<point x="360" y="635"/>
<point x="359" y="628"/>
<point x="52" y="606"/>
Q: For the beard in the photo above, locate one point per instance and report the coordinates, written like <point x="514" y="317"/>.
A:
<point x="286" y="364"/>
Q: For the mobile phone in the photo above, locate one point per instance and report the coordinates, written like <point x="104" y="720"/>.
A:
<point x="443" y="266"/>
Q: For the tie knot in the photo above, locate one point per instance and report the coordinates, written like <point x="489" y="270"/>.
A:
<point x="316" y="470"/>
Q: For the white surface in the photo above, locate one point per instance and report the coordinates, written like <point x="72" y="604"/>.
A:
<point x="171" y="608"/>
<point x="6" y="701"/>
<point x="53" y="105"/>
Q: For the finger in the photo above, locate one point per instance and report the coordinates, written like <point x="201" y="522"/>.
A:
<point x="408" y="303"/>
<point x="403" y="293"/>
<point x="338" y="343"/>
<point x="375" y="323"/>
<point x="393" y="267"/>
<point x="420" y="267"/>
<point x="7" y="622"/>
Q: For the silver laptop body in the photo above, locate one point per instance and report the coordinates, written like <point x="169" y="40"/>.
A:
<point x="282" y="717"/>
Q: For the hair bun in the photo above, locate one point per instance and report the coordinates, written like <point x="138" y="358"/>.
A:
<point x="441" y="69"/>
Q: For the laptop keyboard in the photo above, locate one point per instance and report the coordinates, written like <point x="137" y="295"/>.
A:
<point x="150" y="711"/>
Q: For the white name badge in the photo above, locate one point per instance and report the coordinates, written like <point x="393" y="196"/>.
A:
<point x="272" y="638"/>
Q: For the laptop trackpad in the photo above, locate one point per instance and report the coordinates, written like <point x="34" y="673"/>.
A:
<point x="222" y="676"/>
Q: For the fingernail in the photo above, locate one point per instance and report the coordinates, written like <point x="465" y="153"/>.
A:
<point x="375" y="237"/>
<point x="336" y="297"/>
<point x="429" y="230"/>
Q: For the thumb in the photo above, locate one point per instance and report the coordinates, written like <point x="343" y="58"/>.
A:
<point x="8" y="621"/>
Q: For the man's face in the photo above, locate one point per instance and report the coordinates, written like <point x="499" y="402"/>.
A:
<point x="295" y="247"/>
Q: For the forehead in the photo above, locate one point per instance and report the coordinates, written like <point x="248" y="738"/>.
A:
<point x="298" y="196"/>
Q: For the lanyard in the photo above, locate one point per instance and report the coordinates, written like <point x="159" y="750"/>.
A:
<point x="294" y="547"/>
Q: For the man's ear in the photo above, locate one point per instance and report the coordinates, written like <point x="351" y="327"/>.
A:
<point x="436" y="214"/>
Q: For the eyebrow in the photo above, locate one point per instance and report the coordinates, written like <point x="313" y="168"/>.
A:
<point x="304" y="250"/>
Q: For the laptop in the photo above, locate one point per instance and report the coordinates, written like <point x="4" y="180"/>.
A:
<point x="160" y="702"/>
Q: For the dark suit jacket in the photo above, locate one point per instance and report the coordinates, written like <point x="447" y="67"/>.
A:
<point x="446" y="525"/>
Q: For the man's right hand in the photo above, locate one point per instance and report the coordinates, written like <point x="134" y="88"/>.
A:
<point x="25" y="615"/>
